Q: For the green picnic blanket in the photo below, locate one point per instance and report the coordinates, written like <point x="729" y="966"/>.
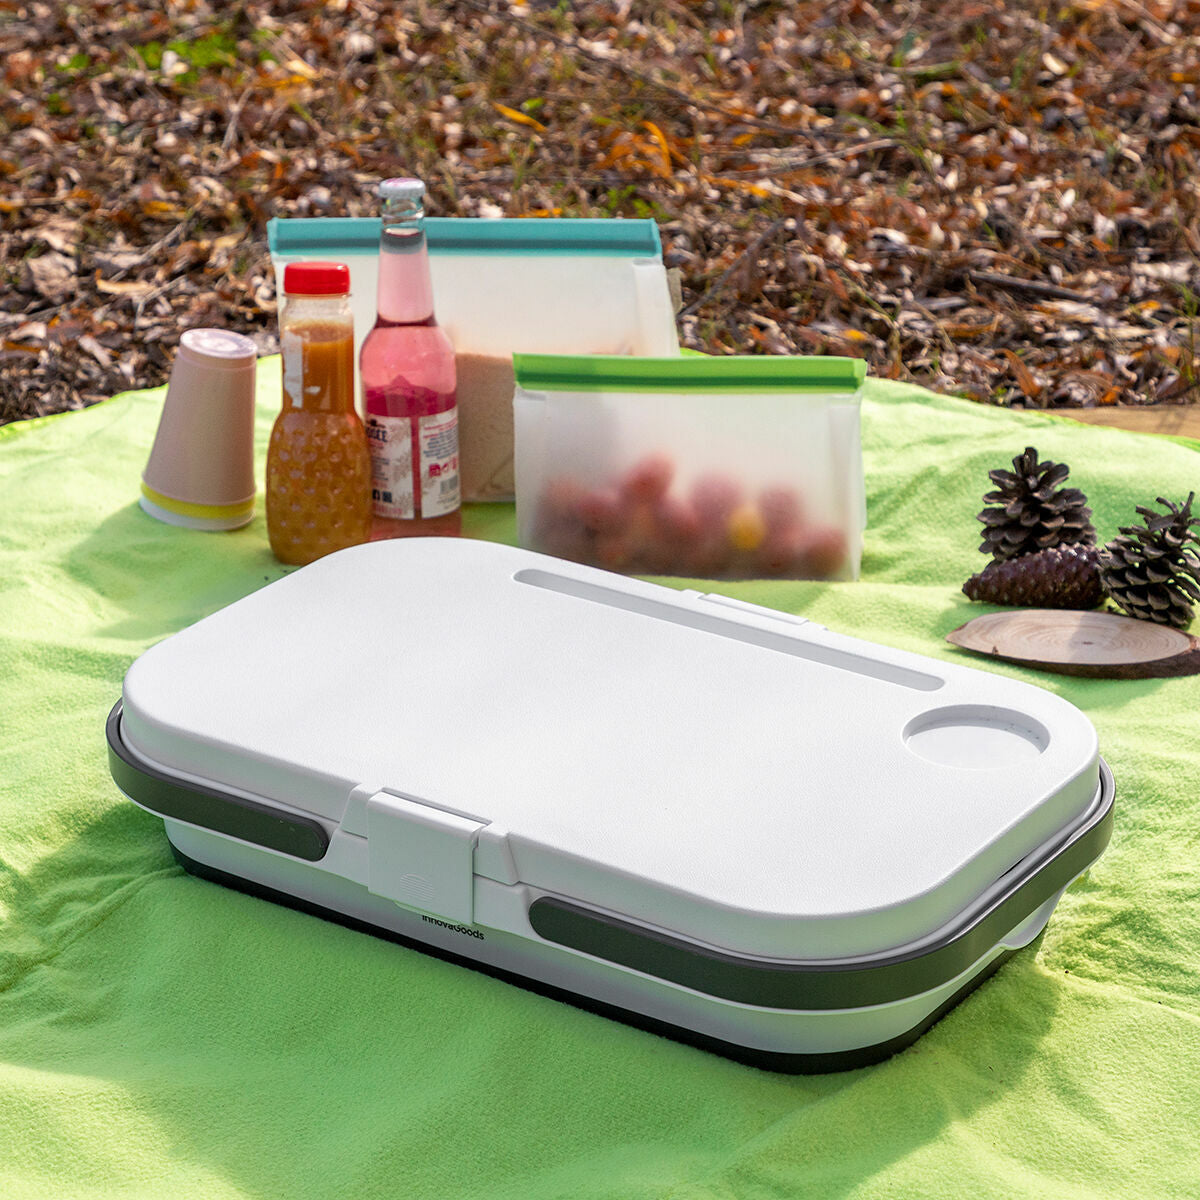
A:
<point x="161" y="1035"/>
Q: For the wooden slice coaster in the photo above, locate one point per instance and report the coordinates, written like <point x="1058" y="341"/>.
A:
<point x="1098" y="644"/>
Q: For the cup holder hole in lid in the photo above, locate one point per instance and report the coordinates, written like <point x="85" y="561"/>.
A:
<point x="976" y="737"/>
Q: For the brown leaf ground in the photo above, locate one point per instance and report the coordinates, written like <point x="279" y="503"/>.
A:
<point x="994" y="198"/>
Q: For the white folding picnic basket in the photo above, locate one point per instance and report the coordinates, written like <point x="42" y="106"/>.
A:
<point x="717" y="821"/>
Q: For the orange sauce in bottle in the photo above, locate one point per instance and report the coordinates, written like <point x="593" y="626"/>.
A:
<point x="318" y="465"/>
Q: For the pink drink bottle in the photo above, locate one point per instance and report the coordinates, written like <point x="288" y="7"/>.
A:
<point x="407" y="371"/>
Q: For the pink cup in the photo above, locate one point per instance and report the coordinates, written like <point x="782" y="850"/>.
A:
<point x="201" y="468"/>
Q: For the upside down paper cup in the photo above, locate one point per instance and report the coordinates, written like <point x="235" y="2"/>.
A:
<point x="201" y="468"/>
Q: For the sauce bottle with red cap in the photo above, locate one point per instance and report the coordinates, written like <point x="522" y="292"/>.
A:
<point x="318" y="465"/>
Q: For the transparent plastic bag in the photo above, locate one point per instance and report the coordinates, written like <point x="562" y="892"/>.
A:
<point x="740" y="467"/>
<point x="547" y="285"/>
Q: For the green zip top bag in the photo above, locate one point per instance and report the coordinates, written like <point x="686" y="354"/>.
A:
<point x="710" y="468"/>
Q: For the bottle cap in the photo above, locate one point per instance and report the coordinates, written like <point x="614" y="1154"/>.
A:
<point x="316" y="279"/>
<point x="404" y="190"/>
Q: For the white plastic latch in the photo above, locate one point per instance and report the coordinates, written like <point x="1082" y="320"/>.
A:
<point x="422" y="857"/>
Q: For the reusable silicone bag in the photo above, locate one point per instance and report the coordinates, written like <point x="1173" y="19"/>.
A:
<point x="552" y="285"/>
<point x="738" y="467"/>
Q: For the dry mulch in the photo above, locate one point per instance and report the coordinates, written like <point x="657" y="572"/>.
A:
<point x="997" y="199"/>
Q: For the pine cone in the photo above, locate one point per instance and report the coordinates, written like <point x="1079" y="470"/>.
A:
<point x="1061" y="577"/>
<point x="1150" y="570"/>
<point x="1032" y="512"/>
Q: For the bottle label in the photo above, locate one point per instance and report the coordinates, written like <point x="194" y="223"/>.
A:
<point x="291" y="346"/>
<point x="438" y="437"/>
<point x="390" y="441"/>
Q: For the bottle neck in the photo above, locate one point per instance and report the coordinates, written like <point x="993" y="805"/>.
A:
<point x="405" y="291"/>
